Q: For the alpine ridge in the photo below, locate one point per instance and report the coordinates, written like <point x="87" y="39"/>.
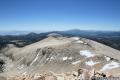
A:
<point x="57" y="55"/>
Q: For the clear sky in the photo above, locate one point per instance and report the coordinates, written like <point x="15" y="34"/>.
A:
<point x="47" y="15"/>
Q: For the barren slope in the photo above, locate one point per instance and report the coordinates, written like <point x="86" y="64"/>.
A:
<point x="61" y="55"/>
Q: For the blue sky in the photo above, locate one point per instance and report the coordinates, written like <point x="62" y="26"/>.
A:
<point x="48" y="15"/>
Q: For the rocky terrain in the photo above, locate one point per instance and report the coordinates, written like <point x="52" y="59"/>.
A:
<point x="59" y="58"/>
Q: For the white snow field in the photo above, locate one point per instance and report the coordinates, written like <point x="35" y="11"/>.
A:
<point x="111" y="65"/>
<point x="86" y="53"/>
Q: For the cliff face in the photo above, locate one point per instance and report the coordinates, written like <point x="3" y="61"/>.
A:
<point x="58" y="55"/>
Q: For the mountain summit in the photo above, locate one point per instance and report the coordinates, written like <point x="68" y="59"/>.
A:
<point x="58" y="54"/>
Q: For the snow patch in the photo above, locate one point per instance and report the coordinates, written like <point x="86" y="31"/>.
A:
<point x="85" y="43"/>
<point x="79" y="41"/>
<point x="47" y="58"/>
<point x="107" y="58"/>
<point x="75" y="38"/>
<point x="86" y="53"/>
<point x="37" y="56"/>
<point x="52" y="57"/>
<point x="76" y="62"/>
<point x="91" y="63"/>
<point x="24" y="73"/>
<point x="111" y="65"/>
<point x="65" y="58"/>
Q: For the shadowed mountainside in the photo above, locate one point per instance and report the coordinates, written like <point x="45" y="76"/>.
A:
<point x="110" y="38"/>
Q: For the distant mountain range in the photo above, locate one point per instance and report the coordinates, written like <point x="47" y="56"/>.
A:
<point x="17" y="32"/>
<point x="110" y="38"/>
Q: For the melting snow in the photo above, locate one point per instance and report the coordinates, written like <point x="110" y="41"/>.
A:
<point x="75" y="38"/>
<point x="91" y="63"/>
<point x="75" y="62"/>
<point x="86" y="53"/>
<point x="85" y="43"/>
<point x="107" y="58"/>
<point x="65" y="58"/>
<point x="79" y="41"/>
<point x="111" y="65"/>
<point x="52" y="57"/>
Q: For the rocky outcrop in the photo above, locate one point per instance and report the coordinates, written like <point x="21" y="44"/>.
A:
<point x="65" y="58"/>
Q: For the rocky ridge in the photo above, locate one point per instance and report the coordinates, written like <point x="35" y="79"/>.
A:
<point x="60" y="56"/>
